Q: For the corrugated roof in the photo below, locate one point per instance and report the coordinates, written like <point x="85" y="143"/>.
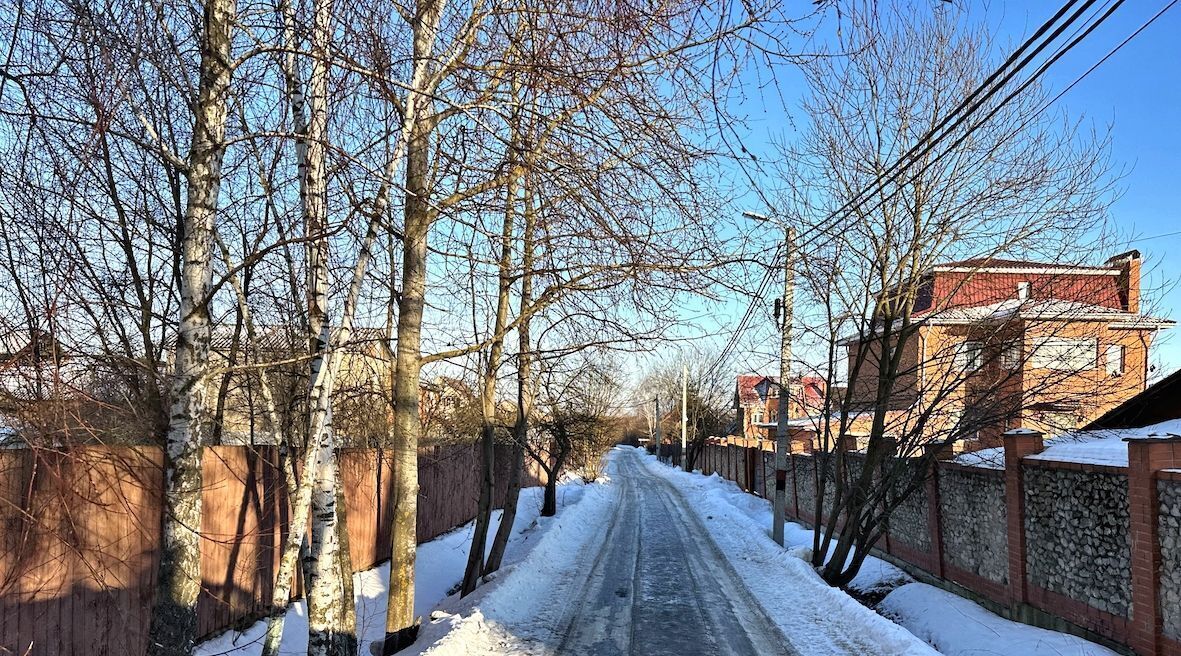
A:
<point x="1002" y="263"/>
<point x="1040" y="310"/>
<point x="288" y="339"/>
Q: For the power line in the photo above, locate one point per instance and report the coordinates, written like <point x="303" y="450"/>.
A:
<point x="902" y="164"/>
<point x="970" y="104"/>
<point x="1167" y="234"/>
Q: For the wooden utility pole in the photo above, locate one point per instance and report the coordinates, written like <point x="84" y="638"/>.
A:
<point x="781" y="428"/>
<point x="684" y="417"/>
<point x="658" y="438"/>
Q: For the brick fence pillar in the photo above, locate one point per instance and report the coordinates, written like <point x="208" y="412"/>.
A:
<point x="1146" y="456"/>
<point x="1018" y="444"/>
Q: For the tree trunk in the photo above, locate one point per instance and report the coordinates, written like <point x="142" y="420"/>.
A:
<point x="348" y="630"/>
<point x="549" y="505"/>
<point x="173" y="627"/>
<point x="475" y="560"/>
<point x="475" y="557"/>
<point x="509" y="514"/>
<point x="328" y="631"/>
<point x="524" y="391"/>
<point x="401" y="625"/>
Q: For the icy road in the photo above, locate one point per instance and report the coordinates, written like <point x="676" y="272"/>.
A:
<point x="660" y="586"/>
<point x="636" y="568"/>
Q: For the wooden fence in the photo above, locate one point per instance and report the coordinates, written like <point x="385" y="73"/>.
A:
<point x="79" y="533"/>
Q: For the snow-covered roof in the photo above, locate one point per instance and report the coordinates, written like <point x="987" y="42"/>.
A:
<point x="1013" y="308"/>
<point x="1105" y="446"/>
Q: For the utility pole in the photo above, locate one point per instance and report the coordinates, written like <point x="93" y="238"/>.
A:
<point x="658" y="438"/>
<point x="781" y="428"/>
<point x="684" y="416"/>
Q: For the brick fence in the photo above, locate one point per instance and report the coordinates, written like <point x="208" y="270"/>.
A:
<point x="79" y="532"/>
<point x="1086" y="548"/>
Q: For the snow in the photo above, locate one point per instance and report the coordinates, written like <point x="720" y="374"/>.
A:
<point x="518" y="611"/>
<point x="788" y="587"/>
<point x="958" y="627"/>
<point x="520" y="608"/>
<point x="438" y="569"/>
<point x="992" y="458"/>
<point x="1105" y="446"/>
<point x="740" y="523"/>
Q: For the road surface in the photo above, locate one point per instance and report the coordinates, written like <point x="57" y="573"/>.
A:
<point x="659" y="585"/>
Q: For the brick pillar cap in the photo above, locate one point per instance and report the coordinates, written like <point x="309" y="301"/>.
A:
<point x="1154" y="438"/>
<point x="1022" y="431"/>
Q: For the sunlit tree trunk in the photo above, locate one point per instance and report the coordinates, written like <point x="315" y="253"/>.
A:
<point x="173" y="628"/>
<point x="475" y="559"/>
<point x="524" y="389"/>
<point x="401" y="624"/>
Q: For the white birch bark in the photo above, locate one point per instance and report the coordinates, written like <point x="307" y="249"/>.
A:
<point x="173" y="628"/>
<point x="299" y="495"/>
<point x="328" y="634"/>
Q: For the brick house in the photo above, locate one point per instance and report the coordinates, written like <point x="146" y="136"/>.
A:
<point x="756" y="402"/>
<point x="998" y="344"/>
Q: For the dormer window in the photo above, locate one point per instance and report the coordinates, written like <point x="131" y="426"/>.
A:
<point x="1022" y="291"/>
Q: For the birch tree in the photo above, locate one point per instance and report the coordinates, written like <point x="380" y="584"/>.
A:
<point x="174" y="616"/>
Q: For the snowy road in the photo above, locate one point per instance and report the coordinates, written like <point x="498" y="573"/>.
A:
<point x="656" y="561"/>
<point x="659" y="585"/>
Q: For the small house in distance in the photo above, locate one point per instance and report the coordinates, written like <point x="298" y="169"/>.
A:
<point x="756" y="402"/>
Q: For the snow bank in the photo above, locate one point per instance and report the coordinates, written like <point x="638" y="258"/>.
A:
<point x="520" y="611"/>
<point x="438" y="569"/>
<point x="740" y="524"/>
<point x="958" y="627"/>
<point x="789" y="589"/>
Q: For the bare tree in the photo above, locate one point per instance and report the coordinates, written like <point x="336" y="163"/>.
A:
<point x="1020" y="184"/>
<point x="174" y="616"/>
<point x="707" y="405"/>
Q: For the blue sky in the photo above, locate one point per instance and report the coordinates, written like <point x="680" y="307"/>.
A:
<point x="1137" y="92"/>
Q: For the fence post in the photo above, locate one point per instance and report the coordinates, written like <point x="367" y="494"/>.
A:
<point x="1019" y="443"/>
<point x="751" y="470"/>
<point x="1146" y="456"/>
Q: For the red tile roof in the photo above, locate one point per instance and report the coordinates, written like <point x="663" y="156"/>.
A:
<point x="813" y="388"/>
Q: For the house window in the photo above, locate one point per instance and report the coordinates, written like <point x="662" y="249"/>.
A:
<point x="968" y="356"/>
<point x="1061" y="354"/>
<point x="757" y="417"/>
<point x="1011" y="355"/>
<point x="1115" y="360"/>
<point x="1022" y="290"/>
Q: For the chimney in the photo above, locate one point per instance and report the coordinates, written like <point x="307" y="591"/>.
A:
<point x="1129" y="279"/>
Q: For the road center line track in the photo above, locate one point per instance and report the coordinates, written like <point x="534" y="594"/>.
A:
<point x="659" y="585"/>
